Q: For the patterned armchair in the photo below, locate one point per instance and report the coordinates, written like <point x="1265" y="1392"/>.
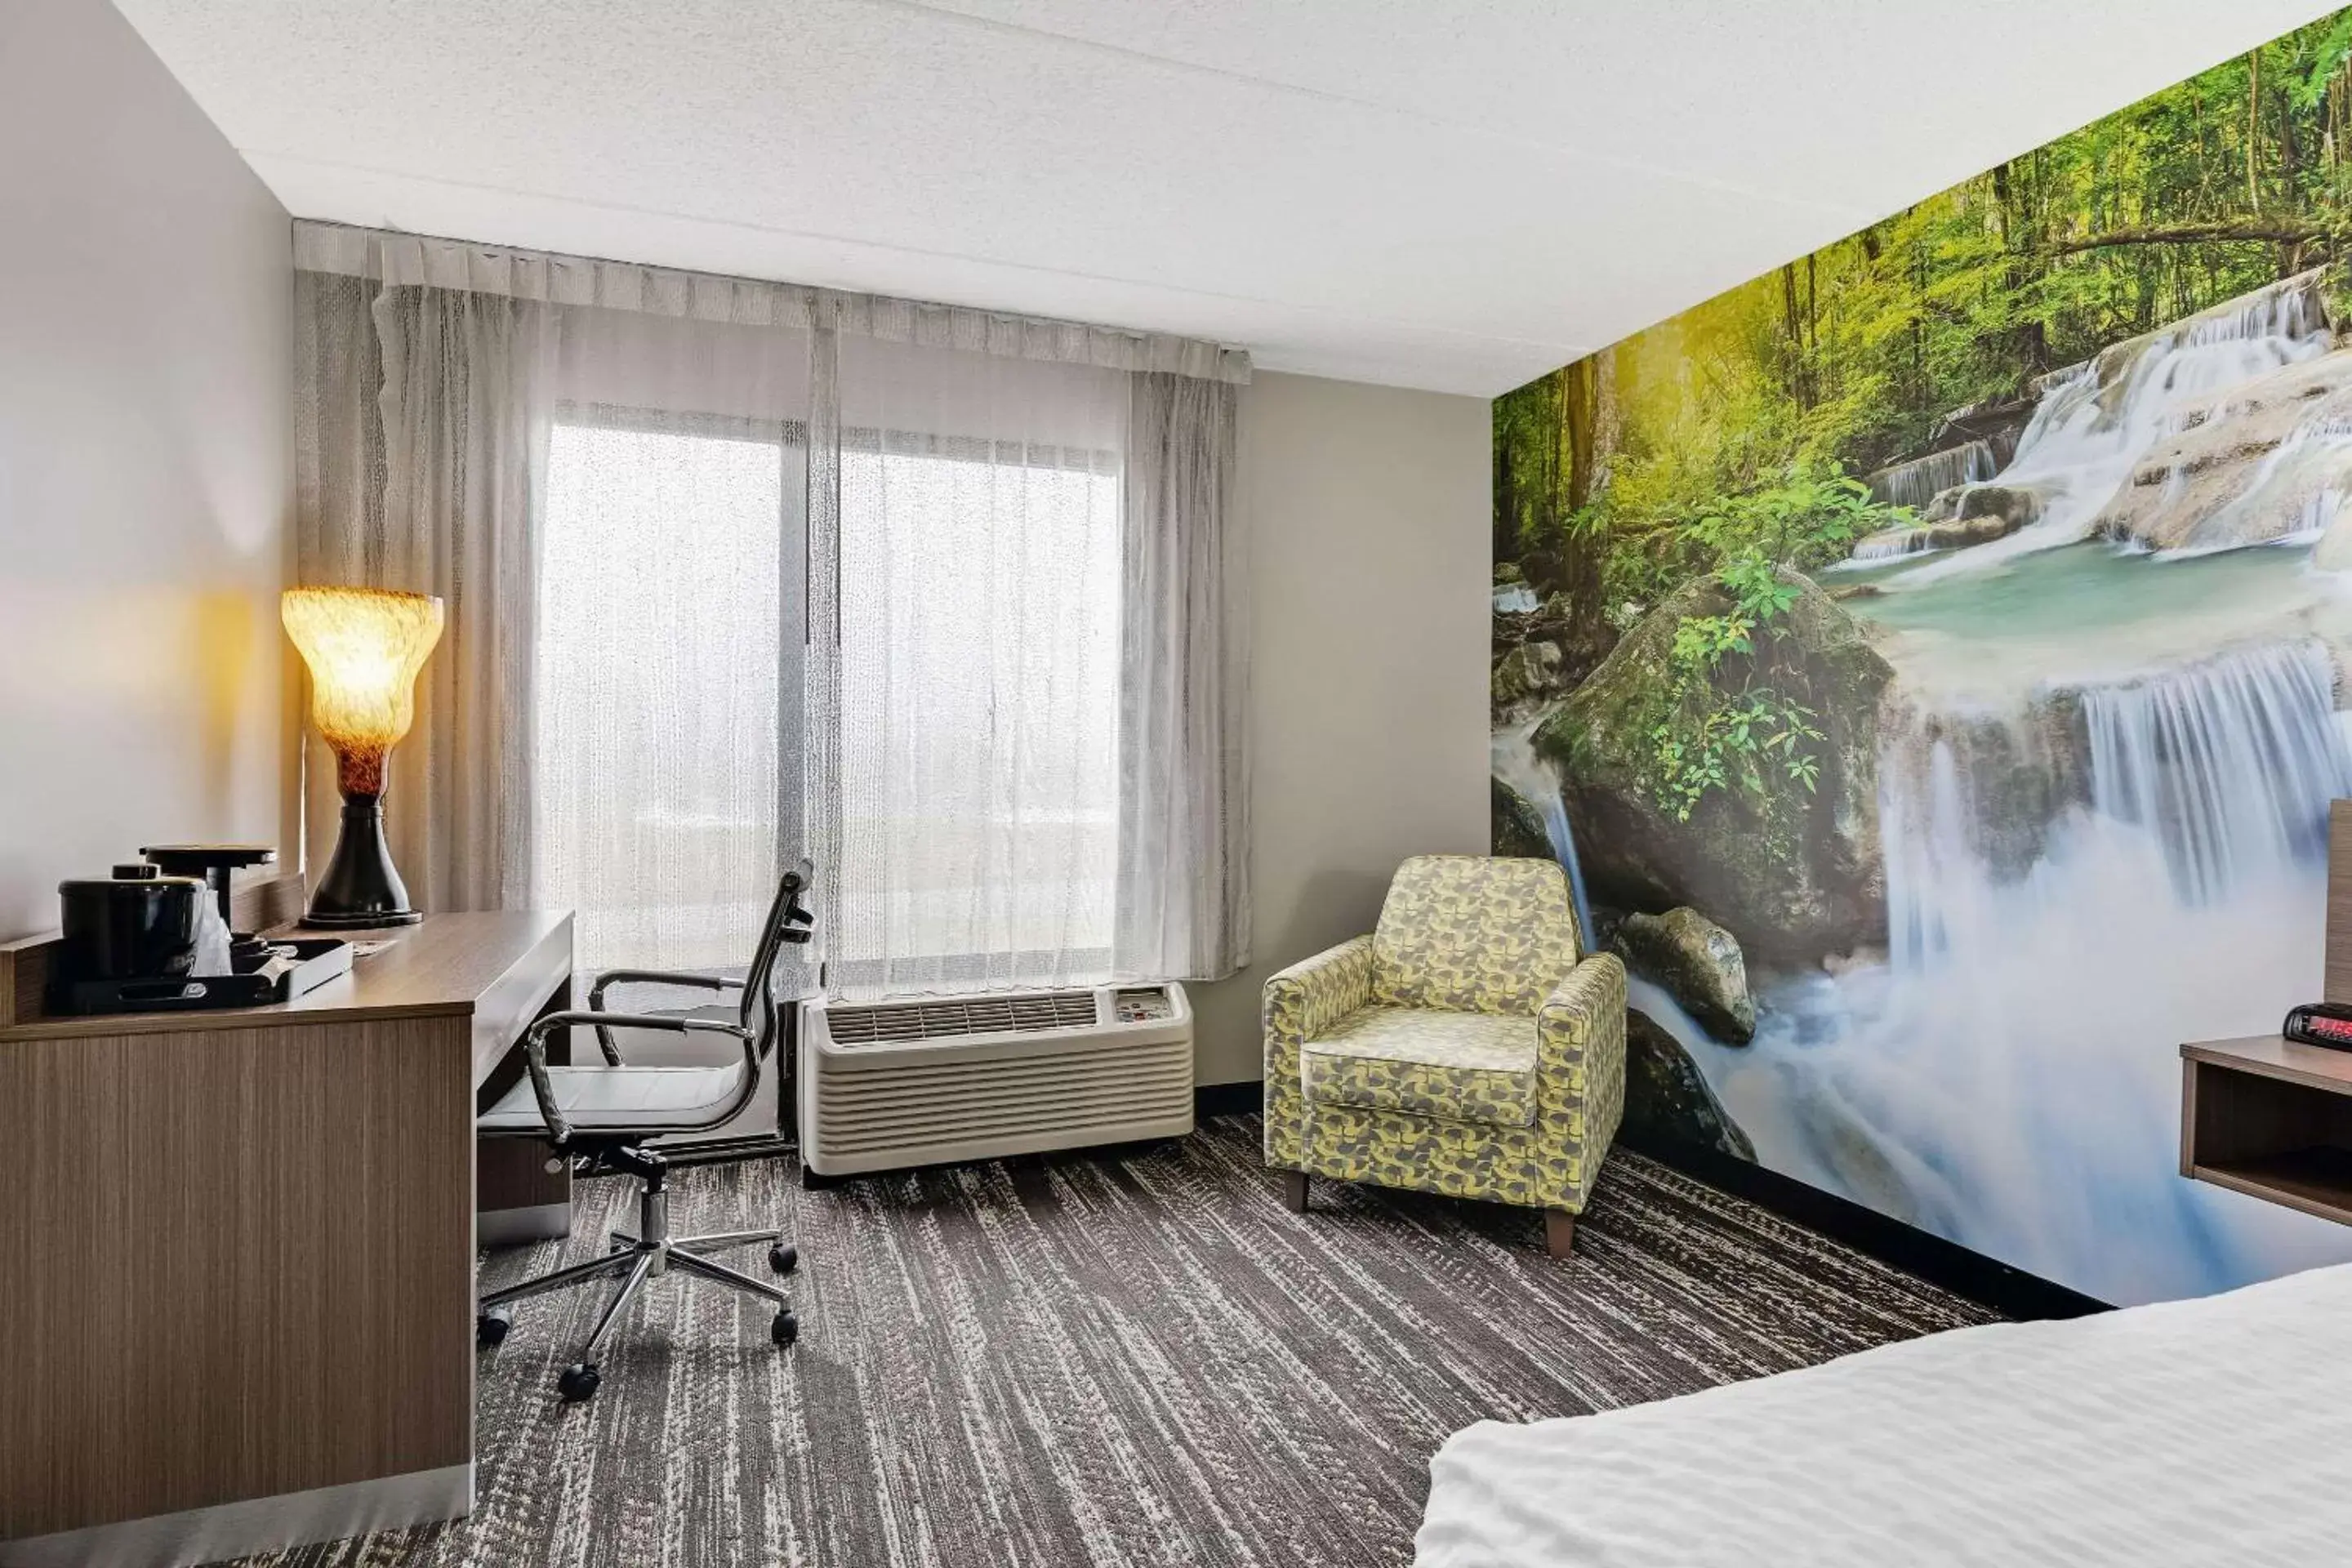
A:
<point x="1461" y="1048"/>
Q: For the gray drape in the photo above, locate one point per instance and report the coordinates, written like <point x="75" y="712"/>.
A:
<point x="422" y="419"/>
<point x="1183" y="872"/>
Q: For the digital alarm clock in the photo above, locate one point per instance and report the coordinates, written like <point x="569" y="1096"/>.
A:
<point x="2320" y="1023"/>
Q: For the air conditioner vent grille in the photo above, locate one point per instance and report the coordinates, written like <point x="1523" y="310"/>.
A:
<point x="886" y="1085"/>
<point x="950" y="1017"/>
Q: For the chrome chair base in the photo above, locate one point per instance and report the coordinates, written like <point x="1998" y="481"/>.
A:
<point x="636" y="1258"/>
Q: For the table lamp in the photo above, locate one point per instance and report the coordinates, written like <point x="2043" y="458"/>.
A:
<point x="364" y="646"/>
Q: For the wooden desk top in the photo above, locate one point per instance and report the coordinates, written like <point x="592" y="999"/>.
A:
<point x="2275" y="1055"/>
<point x="443" y="964"/>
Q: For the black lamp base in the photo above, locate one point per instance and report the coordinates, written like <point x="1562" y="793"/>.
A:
<point x="360" y="888"/>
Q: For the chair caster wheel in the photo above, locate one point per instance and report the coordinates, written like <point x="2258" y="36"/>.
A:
<point x="783" y="1258"/>
<point x="490" y="1328"/>
<point x="577" y="1383"/>
<point x="786" y="1328"/>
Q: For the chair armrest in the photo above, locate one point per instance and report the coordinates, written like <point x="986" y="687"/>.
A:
<point x="1303" y="1001"/>
<point x="534" y="1049"/>
<point x="1306" y="999"/>
<point x="597" y="989"/>
<point x="1581" y="1041"/>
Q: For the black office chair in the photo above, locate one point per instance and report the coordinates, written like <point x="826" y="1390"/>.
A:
<point x="601" y="1117"/>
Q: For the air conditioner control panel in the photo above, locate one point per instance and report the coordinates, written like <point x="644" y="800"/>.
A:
<point x="1142" y="1005"/>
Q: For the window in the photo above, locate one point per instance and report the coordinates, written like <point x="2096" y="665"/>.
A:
<point x="980" y="712"/>
<point x="667" y="695"/>
<point x="980" y="689"/>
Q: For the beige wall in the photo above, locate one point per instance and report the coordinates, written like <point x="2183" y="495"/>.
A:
<point x="146" y="473"/>
<point x="1367" y="509"/>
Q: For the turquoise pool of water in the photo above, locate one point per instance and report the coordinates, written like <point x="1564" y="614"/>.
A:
<point x="2087" y="613"/>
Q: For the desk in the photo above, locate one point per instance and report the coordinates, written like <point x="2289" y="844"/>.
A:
<point x="239" y="1313"/>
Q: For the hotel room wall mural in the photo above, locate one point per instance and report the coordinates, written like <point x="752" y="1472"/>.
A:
<point x="1930" y="660"/>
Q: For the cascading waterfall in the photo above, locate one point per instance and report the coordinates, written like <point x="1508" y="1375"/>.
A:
<point x="2307" y="475"/>
<point x="2230" y="764"/>
<point x="1892" y="546"/>
<point x="2072" y="888"/>
<point x="2094" y="422"/>
<point x="1926" y="823"/>
<point x="1515" y="763"/>
<point x="1916" y="483"/>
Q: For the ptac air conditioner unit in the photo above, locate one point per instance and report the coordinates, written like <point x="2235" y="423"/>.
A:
<point x="885" y="1085"/>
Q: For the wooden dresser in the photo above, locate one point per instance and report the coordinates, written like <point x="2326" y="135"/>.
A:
<point x="238" y="1311"/>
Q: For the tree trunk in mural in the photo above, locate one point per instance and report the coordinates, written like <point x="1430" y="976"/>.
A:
<point x="1792" y="327"/>
<point x="2255" y="132"/>
<point x="1951" y="628"/>
<point x="1507" y="503"/>
<point x="1589" y="390"/>
<point x="2283" y="234"/>
<point x="2032" y="351"/>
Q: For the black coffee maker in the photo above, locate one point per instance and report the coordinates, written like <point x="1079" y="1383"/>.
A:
<point x="129" y="936"/>
<point x="131" y="939"/>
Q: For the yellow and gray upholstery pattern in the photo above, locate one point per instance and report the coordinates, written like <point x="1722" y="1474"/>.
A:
<point x="1470" y="934"/>
<point x="1462" y="1049"/>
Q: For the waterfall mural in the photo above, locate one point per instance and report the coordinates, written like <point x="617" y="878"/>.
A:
<point x="1959" y="618"/>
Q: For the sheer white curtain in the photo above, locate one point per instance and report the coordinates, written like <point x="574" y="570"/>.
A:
<point x="980" y="521"/>
<point x="667" y="731"/>
<point x="738" y="569"/>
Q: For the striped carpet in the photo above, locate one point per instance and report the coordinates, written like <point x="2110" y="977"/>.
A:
<point x="1141" y="1358"/>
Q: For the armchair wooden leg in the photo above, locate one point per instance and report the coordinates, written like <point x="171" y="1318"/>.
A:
<point x="1559" y="1232"/>
<point x="1294" y="1191"/>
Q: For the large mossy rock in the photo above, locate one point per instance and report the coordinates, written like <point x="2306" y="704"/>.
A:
<point x="1699" y="964"/>
<point x="1792" y="874"/>
<point x="1667" y="1100"/>
<point x="1518" y="827"/>
<point x="1525" y="671"/>
<point x="1958" y="519"/>
<point x="1974" y="514"/>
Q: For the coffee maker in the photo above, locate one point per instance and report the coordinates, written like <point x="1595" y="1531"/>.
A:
<point x="132" y="940"/>
<point x="215" y="865"/>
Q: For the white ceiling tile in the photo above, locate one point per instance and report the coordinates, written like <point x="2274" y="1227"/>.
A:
<point x="1452" y="196"/>
<point x="1868" y="103"/>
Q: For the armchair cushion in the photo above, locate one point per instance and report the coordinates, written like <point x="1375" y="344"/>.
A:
<point x="1464" y="1067"/>
<point x="1474" y="935"/>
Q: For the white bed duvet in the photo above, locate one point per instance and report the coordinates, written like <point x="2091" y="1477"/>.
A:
<point x="2214" y="1433"/>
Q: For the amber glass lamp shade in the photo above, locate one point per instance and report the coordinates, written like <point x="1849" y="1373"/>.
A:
<point x="364" y="646"/>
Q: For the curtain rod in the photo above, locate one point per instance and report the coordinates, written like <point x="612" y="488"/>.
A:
<point x="400" y="259"/>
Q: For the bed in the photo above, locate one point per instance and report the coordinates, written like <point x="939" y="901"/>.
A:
<point x="2209" y="1432"/>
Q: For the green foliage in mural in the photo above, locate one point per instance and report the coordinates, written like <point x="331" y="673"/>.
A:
<point x="1807" y="518"/>
<point x="1710" y="736"/>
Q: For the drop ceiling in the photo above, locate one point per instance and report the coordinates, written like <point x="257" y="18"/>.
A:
<point x="1451" y="195"/>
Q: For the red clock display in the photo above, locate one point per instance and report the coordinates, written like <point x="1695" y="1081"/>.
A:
<point x="2335" y="1031"/>
<point x="2326" y="1023"/>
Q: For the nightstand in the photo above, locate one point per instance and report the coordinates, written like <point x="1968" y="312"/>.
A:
<point x="2271" y="1118"/>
